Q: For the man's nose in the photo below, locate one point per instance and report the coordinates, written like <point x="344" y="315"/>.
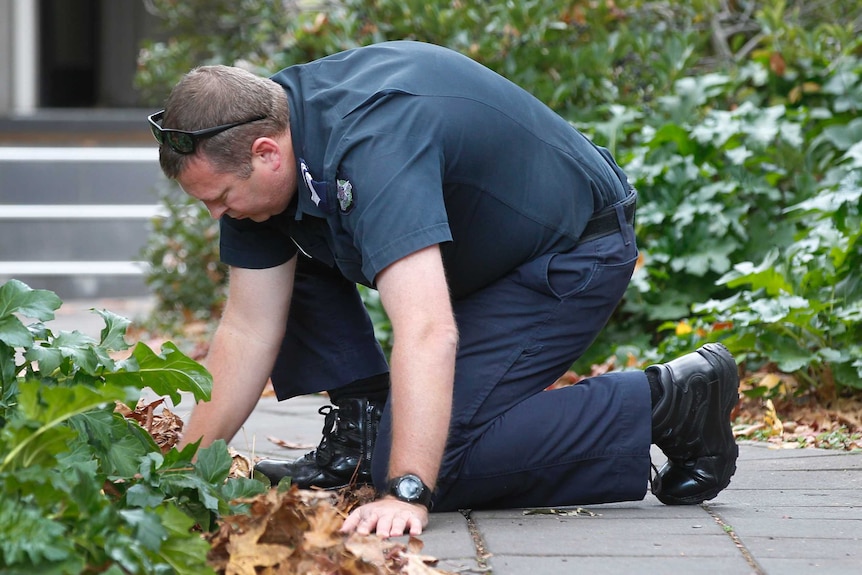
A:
<point x="216" y="209"/>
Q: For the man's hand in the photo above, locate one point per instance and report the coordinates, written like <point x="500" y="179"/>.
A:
<point x="389" y="517"/>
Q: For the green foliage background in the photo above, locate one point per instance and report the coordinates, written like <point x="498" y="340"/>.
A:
<point x="737" y="122"/>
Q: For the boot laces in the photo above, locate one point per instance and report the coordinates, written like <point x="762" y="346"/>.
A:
<point x="323" y="453"/>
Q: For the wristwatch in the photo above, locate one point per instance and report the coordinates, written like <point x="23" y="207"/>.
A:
<point x="410" y="488"/>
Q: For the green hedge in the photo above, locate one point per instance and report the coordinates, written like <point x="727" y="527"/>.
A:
<point x="739" y="127"/>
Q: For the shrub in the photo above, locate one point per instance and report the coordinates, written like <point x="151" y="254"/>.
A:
<point x="185" y="272"/>
<point x="84" y="489"/>
<point x="726" y="115"/>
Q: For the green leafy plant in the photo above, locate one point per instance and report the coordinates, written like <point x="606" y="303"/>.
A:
<point x="84" y="489"/>
<point x="802" y="306"/>
<point x="725" y="115"/>
<point x="184" y="272"/>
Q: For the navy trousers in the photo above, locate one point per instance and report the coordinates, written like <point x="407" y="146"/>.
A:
<point x="511" y="444"/>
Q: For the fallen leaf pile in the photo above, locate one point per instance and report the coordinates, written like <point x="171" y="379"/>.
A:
<point x="297" y="531"/>
<point x="164" y="425"/>
<point x="793" y="423"/>
<point x="787" y="420"/>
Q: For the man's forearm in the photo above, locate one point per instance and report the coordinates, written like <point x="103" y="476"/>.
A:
<point x="243" y="350"/>
<point x="422" y="375"/>
<point x="240" y="368"/>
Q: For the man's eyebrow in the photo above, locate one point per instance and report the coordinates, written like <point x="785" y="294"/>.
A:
<point x="215" y="194"/>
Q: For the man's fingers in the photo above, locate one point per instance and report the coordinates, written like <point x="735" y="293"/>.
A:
<point x="367" y="523"/>
<point x="386" y="519"/>
<point x="415" y="526"/>
<point x="396" y="529"/>
<point x="361" y="520"/>
<point x="386" y="525"/>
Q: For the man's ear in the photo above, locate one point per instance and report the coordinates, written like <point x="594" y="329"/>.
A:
<point x="267" y="151"/>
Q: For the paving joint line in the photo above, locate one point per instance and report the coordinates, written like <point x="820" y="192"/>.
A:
<point x="728" y="529"/>
<point x="479" y="545"/>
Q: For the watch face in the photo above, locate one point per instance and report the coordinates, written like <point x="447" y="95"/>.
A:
<point x="409" y="488"/>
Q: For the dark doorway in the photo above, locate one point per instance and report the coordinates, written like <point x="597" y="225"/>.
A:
<point x="68" y="53"/>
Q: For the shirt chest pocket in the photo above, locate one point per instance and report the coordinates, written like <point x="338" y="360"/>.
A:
<point x="310" y="238"/>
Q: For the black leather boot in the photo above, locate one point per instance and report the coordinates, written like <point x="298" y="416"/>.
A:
<point x="344" y="454"/>
<point x="691" y="424"/>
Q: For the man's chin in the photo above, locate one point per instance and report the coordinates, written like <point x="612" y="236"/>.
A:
<point x="259" y="218"/>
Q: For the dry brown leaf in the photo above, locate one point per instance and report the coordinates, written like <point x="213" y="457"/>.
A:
<point x="163" y="425"/>
<point x="297" y="531"/>
<point x="240" y="465"/>
<point x="771" y="420"/>
<point x="806" y="421"/>
<point x="288" y="444"/>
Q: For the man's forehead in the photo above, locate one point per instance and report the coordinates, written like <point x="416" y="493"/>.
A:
<point x="201" y="181"/>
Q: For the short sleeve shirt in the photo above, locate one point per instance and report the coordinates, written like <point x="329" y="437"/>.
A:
<point x="403" y="145"/>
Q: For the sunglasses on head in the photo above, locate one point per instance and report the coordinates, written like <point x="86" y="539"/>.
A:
<point x="183" y="141"/>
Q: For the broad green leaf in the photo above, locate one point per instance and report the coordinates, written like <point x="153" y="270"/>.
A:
<point x="18" y="297"/>
<point x="49" y="359"/>
<point x="75" y="346"/>
<point x="789" y="357"/>
<point x="828" y="202"/>
<point x="242" y="488"/>
<point x="86" y="488"/>
<point x="176" y="458"/>
<point x="763" y="276"/>
<point x="79" y="348"/>
<point x="183" y="550"/>
<point x="738" y="155"/>
<point x="138" y="443"/>
<point x="172" y="372"/>
<point x="13" y="333"/>
<point x="113" y="335"/>
<point x="765" y="126"/>
<point x="119" y="443"/>
<point x="150" y="464"/>
<point x="8" y="367"/>
<point x="849" y="374"/>
<point x="28" y="538"/>
<point x="675" y="134"/>
<point x="769" y="310"/>
<point x="142" y="495"/>
<point x="187" y="486"/>
<point x="213" y="463"/>
<point x="50" y="407"/>
<point x="854" y="154"/>
<point x="147" y="528"/>
<point x="718" y="307"/>
<point x="842" y="136"/>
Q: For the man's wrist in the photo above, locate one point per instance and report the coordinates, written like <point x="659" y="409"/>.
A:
<point x="409" y="488"/>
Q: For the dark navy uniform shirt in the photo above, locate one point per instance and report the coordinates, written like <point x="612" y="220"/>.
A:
<point x="403" y="145"/>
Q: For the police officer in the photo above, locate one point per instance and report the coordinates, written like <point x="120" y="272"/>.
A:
<point x="500" y="240"/>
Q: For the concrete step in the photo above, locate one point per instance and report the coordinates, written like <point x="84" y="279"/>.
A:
<point x="91" y="175"/>
<point x="75" y="220"/>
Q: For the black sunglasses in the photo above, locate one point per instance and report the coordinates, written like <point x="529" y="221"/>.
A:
<point x="183" y="141"/>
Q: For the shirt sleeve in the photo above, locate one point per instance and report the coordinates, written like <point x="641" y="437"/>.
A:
<point x="395" y="167"/>
<point x="254" y="245"/>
